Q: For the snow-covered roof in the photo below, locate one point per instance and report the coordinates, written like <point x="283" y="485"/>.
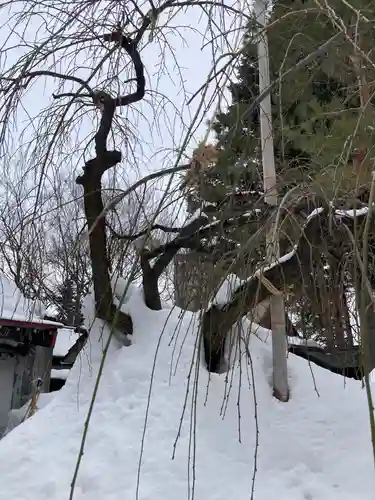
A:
<point x="16" y="308"/>
<point x="60" y="374"/>
<point x="66" y="338"/>
<point x="303" y="342"/>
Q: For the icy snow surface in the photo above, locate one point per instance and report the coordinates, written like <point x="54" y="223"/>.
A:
<point x="311" y="448"/>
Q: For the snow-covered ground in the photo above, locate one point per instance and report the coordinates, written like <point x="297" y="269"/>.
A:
<point x="314" y="447"/>
<point x="17" y="416"/>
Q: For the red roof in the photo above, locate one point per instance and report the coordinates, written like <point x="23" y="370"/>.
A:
<point x="34" y="323"/>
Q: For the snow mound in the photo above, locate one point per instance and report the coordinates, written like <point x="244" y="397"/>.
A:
<point x="314" y="447"/>
<point x="17" y="416"/>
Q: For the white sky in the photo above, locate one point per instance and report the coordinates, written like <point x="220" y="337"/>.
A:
<point x="160" y="125"/>
<point x="168" y="129"/>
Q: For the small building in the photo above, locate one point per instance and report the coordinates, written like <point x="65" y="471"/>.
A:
<point x="26" y="348"/>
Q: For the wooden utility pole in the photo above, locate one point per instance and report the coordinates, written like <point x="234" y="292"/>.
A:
<point x="279" y="340"/>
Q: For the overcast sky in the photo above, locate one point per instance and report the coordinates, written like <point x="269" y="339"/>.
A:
<point x="159" y="123"/>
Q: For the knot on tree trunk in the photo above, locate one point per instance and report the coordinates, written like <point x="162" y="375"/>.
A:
<point x="95" y="168"/>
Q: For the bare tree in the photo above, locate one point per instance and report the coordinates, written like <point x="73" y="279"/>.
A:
<point x="66" y="254"/>
<point x="22" y="247"/>
<point x="109" y="49"/>
<point x="115" y="37"/>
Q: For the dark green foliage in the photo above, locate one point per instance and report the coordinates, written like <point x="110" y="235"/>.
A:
<point x="317" y="122"/>
<point x="314" y="112"/>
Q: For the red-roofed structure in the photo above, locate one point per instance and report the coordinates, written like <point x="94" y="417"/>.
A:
<point x="26" y="350"/>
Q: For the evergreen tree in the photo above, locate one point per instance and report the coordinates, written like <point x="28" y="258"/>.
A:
<point x="315" y="112"/>
<point x="317" y="121"/>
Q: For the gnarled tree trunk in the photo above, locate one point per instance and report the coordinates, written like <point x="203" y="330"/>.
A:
<point x="91" y="182"/>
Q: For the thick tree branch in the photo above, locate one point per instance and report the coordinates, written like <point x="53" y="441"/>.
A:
<point x="186" y="232"/>
<point x="191" y="235"/>
<point x="91" y="182"/>
<point x="76" y="95"/>
<point x="130" y="46"/>
<point x="193" y="239"/>
<point x="322" y="226"/>
<point x="108" y="107"/>
<point x="218" y="320"/>
<point x="151" y="273"/>
<point x="150" y="285"/>
<point x="133" y="237"/>
<point x="29" y="76"/>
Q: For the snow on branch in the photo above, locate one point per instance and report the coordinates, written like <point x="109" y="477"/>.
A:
<point x="355" y="212"/>
<point x="147" y="230"/>
<point x="283" y="274"/>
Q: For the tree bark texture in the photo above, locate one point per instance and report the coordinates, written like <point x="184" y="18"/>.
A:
<point x="91" y="182"/>
<point x="287" y="272"/>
